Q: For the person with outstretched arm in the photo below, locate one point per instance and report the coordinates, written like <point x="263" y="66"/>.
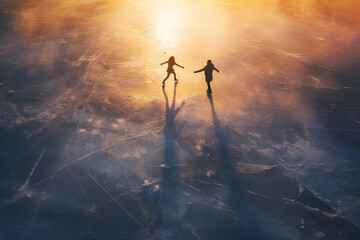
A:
<point x="208" y="69"/>
<point x="171" y="62"/>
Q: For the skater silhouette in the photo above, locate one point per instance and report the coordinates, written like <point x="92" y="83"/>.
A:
<point x="171" y="62"/>
<point x="208" y="74"/>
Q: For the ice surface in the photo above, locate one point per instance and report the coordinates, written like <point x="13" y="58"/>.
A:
<point x="92" y="146"/>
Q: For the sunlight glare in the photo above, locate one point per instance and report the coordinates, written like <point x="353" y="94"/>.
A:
<point x="166" y="27"/>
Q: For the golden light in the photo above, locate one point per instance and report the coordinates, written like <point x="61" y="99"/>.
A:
<point x="132" y="38"/>
<point x="166" y="27"/>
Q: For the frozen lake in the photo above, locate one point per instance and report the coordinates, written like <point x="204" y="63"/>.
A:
<point x="93" y="147"/>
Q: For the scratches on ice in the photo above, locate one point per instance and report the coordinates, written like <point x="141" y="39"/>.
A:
<point x="198" y="190"/>
<point x="216" y="184"/>
<point x="89" y="155"/>
<point x="216" y="207"/>
<point x="294" y="203"/>
<point x="32" y="171"/>
<point x="42" y="198"/>
<point x="78" y="182"/>
<point x="114" y="199"/>
<point x="134" y="190"/>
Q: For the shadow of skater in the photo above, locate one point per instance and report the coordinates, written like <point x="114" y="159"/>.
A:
<point x="224" y="165"/>
<point x="264" y="192"/>
<point x="224" y="154"/>
<point x="170" y="133"/>
<point x="171" y="202"/>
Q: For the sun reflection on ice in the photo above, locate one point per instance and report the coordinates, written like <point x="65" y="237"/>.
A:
<point x="167" y="26"/>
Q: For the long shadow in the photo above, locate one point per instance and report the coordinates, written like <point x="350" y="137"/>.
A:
<point x="224" y="153"/>
<point x="170" y="133"/>
<point x="227" y="175"/>
<point x="171" y="201"/>
<point x="223" y="161"/>
<point x="273" y="186"/>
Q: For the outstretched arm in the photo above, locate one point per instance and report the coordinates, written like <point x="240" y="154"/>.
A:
<point x="199" y="70"/>
<point x="164" y="62"/>
<point x="179" y="65"/>
<point x="216" y="69"/>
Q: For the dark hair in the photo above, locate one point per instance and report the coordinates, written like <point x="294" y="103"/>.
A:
<point x="172" y="59"/>
<point x="209" y="62"/>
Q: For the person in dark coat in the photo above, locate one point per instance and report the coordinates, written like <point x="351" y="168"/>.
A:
<point x="208" y="69"/>
<point x="171" y="62"/>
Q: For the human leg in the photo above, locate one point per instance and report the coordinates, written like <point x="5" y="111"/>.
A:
<point x="209" y="87"/>
<point x="168" y="74"/>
